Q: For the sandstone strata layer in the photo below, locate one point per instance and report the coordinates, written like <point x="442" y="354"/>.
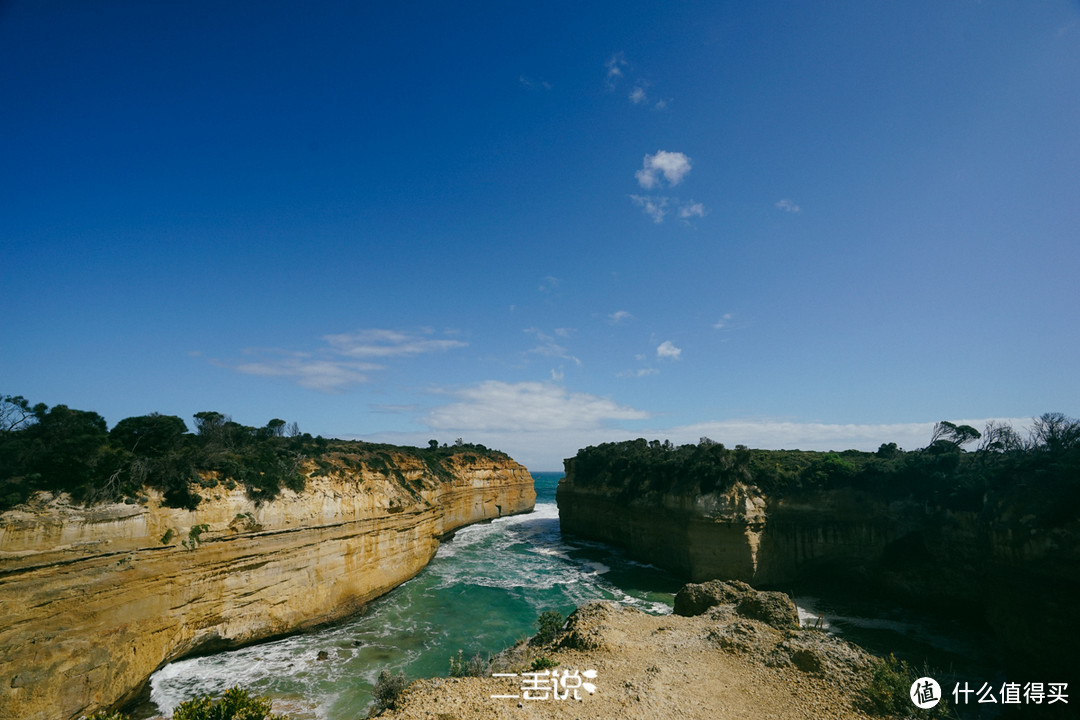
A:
<point x="1022" y="580"/>
<point x="93" y="600"/>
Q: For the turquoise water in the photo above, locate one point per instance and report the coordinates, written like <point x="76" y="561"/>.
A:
<point x="481" y="593"/>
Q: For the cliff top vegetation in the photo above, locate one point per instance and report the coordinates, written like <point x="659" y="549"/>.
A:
<point x="1045" y="463"/>
<point x="60" y="449"/>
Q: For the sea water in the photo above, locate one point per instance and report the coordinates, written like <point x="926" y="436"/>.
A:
<point x="482" y="592"/>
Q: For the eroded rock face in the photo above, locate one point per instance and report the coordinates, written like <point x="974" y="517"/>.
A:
<point x="94" y="600"/>
<point x="934" y="557"/>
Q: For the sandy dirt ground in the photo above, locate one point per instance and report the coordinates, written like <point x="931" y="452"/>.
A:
<point x="715" y="666"/>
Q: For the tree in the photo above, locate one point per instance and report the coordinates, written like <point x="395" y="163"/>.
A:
<point x="887" y="451"/>
<point x="208" y="421"/>
<point x="1055" y="432"/>
<point x="276" y="427"/>
<point x="947" y="433"/>
<point x="16" y="413"/>
<point x="151" y="434"/>
<point x="1000" y="437"/>
<point x="433" y="444"/>
<point x="67" y="445"/>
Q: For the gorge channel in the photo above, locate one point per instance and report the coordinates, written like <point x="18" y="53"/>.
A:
<point x="483" y="591"/>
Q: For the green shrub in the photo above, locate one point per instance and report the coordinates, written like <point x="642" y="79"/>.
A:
<point x="889" y="688"/>
<point x="548" y="626"/>
<point x="542" y="663"/>
<point x="107" y="716"/>
<point x="388" y="689"/>
<point x="236" y="704"/>
<point x="474" y="667"/>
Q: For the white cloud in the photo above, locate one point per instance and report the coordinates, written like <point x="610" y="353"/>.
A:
<point x="324" y="375"/>
<point x="547" y="346"/>
<point x="654" y="207"/>
<point x="394" y="409"/>
<point x="788" y="206"/>
<point x="619" y="316"/>
<point x="530" y="83"/>
<point x="338" y="364"/>
<point x="668" y="351"/>
<point x="526" y="407"/>
<point x="692" y="209"/>
<point x="388" y="343"/>
<point x="723" y="321"/>
<point x="614" y="67"/>
<point x="550" y="283"/>
<point x="673" y="166"/>
<point x="640" y="372"/>
<point x="638" y="96"/>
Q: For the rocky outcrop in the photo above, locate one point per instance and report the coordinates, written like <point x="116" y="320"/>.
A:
<point x="715" y="665"/>
<point x="772" y="608"/>
<point x="931" y="556"/>
<point x="95" y="599"/>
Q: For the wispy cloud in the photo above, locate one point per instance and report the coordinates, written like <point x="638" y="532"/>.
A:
<point x="548" y="346"/>
<point x="619" y="316"/>
<point x="691" y="209"/>
<point x="654" y="207"/>
<point x="549" y="284"/>
<point x="340" y="362"/>
<point x="673" y="166"/>
<point x="788" y="206"/>
<point x="615" y="65"/>
<point x="526" y="407"/>
<point x="667" y="351"/>
<point x="388" y="343"/>
<point x="638" y="96"/>
<point x="639" y="373"/>
<point x="324" y="375"/>
<point x="534" y="84"/>
<point x="394" y="409"/>
<point x="723" y="322"/>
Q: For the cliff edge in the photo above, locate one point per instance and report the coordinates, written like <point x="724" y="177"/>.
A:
<point x="1009" y="555"/>
<point x="95" y="599"/>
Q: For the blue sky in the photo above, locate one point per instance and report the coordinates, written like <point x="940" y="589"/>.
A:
<point x="817" y="225"/>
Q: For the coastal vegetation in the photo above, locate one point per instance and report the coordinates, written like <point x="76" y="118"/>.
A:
<point x="945" y="473"/>
<point x="235" y="704"/>
<point x="60" y="449"/>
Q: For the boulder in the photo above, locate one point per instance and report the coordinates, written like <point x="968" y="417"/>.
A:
<point x="695" y="598"/>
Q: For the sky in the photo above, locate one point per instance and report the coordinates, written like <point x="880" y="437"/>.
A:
<point x="541" y="226"/>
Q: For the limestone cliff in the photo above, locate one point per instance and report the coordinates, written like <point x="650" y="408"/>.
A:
<point x="1022" y="579"/>
<point x="95" y="599"/>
